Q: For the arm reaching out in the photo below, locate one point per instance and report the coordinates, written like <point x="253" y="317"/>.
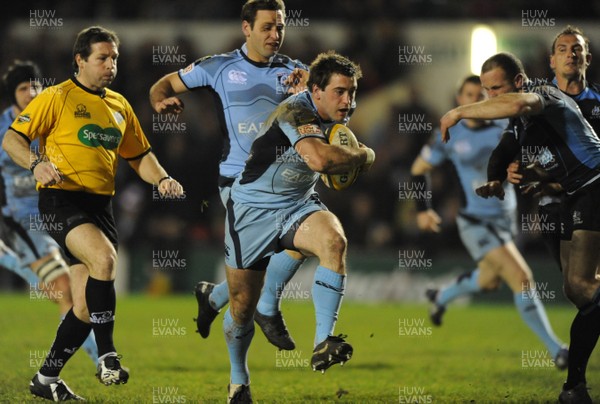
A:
<point x="504" y="106"/>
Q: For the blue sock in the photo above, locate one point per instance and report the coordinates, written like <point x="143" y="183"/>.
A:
<point x="238" y="338"/>
<point x="219" y="296"/>
<point x="327" y="292"/>
<point x="466" y="284"/>
<point x="533" y="313"/>
<point x="90" y="347"/>
<point x="280" y="270"/>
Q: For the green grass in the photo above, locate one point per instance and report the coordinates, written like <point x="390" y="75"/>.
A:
<point x="475" y="357"/>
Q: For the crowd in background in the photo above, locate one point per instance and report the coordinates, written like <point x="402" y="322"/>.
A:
<point x="374" y="217"/>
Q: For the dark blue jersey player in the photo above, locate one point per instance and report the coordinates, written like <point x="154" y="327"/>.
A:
<point x="571" y="156"/>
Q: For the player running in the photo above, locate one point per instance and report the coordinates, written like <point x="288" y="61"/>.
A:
<point x="273" y="205"/>
<point x="486" y="227"/>
<point x="248" y="83"/>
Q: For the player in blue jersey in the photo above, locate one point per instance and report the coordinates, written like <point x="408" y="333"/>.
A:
<point x="273" y="206"/>
<point x="486" y="227"/>
<point x="545" y="116"/>
<point x="248" y="83"/>
<point x="39" y="259"/>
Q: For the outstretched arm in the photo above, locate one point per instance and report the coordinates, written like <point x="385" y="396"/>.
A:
<point x="504" y="106"/>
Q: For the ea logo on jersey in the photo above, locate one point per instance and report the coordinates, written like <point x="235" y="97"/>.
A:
<point x="237" y="77"/>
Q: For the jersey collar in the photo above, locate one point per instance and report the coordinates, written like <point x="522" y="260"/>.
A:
<point x="101" y="93"/>
<point x="244" y="52"/>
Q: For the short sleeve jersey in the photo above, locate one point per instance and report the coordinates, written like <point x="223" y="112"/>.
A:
<point x="469" y="150"/>
<point x="83" y="133"/>
<point x="276" y="176"/>
<point x="247" y="92"/>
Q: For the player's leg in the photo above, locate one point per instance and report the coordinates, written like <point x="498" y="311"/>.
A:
<point x="583" y="289"/>
<point x="238" y="324"/>
<point x="321" y="234"/>
<point x="53" y="275"/>
<point x="79" y="277"/>
<point x="211" y="298"/>
<point x="282" y="267"/>
<point x="516" y="273"/>
<point x="478" y="240"/>
<point x="89" y="245"/>
<point x="72" y="332"/>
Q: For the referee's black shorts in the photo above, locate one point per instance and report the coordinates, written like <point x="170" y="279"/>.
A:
<point x="65" y="210"/>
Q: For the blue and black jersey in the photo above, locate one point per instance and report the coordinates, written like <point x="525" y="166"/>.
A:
<point x="560" y="139"/>
<point x="276" y="176"/>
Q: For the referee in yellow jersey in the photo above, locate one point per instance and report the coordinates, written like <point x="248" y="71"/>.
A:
<point x="83" y="127"/>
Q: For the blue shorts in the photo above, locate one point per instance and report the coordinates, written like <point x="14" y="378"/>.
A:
<point x="482" y="235"/>
<point x="30" y="245"/>
<point x="254" y="234"/>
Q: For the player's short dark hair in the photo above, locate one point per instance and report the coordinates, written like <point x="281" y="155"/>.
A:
<point x="328" y="63"/>
<point x="473" y="79"/>
<point x="570" y="30"/>
<point x="507" y="62"/>
<point x="89" y="36"/>
<point x="250" y="8"/>
<point x="17" y="73"/>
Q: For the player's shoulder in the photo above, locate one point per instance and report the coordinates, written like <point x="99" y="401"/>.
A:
<point x="594" y="88"/>
<point x="219" y="58"/>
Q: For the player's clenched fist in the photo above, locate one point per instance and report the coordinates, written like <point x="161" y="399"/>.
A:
<point x="170" y="188"/>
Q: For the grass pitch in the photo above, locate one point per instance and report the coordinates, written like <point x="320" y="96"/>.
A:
<point x="482" y="354"/>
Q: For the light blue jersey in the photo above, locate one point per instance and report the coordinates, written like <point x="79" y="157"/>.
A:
<point x="276" y="176"/>
<point x="21" y="196"/>
<point x="469" y="149"/>
<point x="248" y="92"/>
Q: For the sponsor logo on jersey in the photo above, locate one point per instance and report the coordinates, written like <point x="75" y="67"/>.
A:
<point x="596" y="112"/>
<point x="94" y="136"/>
<point x="237" y="77"/>
<point x="81" y="112"/>
<point x="188" y="69"/>
<point x="25" y="118"/>
<point x="297" y="177"/>
<point x="309" y="129"/>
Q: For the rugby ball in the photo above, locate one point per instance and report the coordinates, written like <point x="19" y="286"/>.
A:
<point x="341" y="135"/>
